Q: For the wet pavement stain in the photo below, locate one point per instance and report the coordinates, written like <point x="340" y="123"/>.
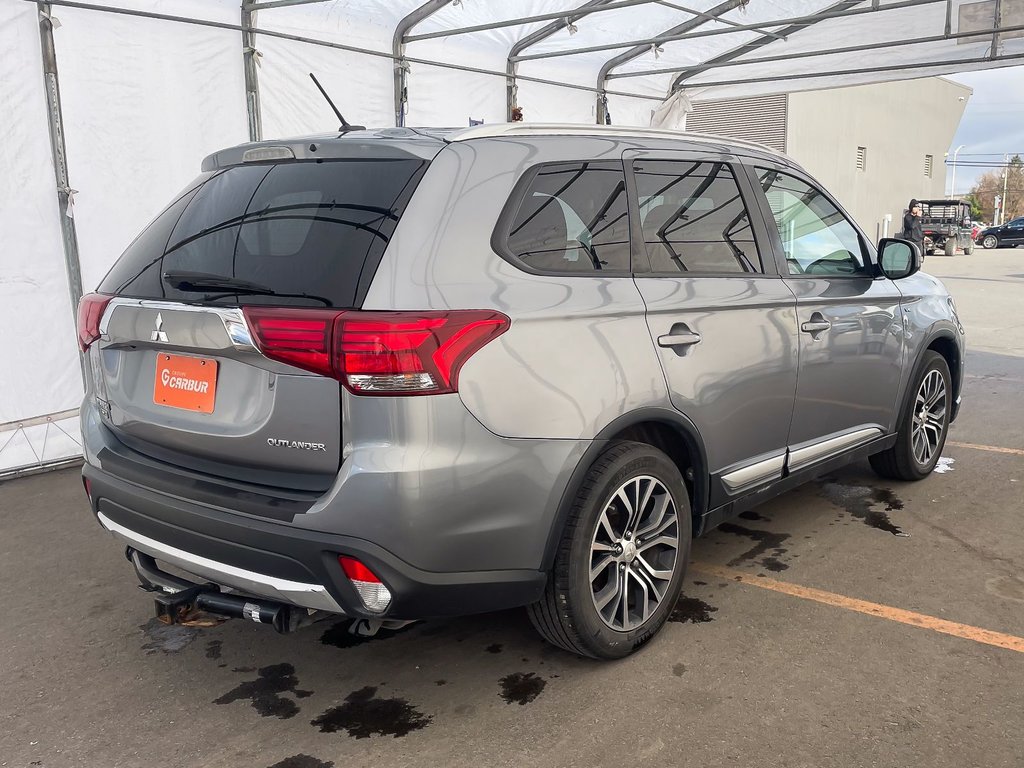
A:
<point x="440" y="682"/>
<point x="213" y="649"/>
<point x="264" y="693"/>
<point x="493" y="648"/>
<point x="364" y="715"/>
<point x="700" y="583"/>
<point x="337" y="635"/>
<point x="861" y="502"/>
<point x="521" y="687"/>
<point x="751" y="515"/>
<point x="166" y="638"/>
<point x="678" y="670"/>
<point x="692" y="610"/>
<point x="243" y="669"/>
<point x="765" y="540"/>
<point x="303" y="761"/>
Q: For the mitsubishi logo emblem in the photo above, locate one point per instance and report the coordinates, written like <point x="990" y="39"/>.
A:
<point x="158" y="333"/>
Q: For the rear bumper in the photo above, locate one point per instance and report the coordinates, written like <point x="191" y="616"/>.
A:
<point x="283" y="563"/>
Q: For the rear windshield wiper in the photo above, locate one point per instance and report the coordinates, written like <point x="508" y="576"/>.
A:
<point x="202" y="282"/>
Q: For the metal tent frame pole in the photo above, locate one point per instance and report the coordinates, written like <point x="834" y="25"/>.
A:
<point x="638" y="50"/>
<point x="760" y="26"/>
<point x="252" y="85"/>
<point x="693" y="71"/>
<point x="65" y="201"/>
<point x="511" y="67"/>
<point x="398" y="42"/>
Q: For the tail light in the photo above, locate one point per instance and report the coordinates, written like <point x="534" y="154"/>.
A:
<point x="378" y="353"/>
<point x="375" y="596"/>
<point x="90" y="311"/>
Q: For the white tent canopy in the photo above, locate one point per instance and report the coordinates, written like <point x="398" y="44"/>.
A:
<point x="108" y="107"/>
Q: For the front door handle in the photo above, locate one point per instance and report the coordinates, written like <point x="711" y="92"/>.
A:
<point x="679" y="339"/>
<point x="816" y="324"/>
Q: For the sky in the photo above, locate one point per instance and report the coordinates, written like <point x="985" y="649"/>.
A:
<point x="993" y="122"/>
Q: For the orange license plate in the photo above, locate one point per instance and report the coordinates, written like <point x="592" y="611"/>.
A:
<point x="189" y="383"/>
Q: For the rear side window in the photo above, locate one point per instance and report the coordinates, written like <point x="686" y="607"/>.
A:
<point x="693" y="218"/>
<point x="310" y="233"/>
<point x="570" y="218"/>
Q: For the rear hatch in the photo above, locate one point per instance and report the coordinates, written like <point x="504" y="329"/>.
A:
<point x="177" y="373"/>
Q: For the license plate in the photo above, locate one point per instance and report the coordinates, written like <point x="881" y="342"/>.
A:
<point x="189" y="383"/>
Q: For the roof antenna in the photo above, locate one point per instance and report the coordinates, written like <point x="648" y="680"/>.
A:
<point x="345" y="125"/>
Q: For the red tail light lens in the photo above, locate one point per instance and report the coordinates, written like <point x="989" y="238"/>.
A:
<point x="380" y="353"/>
<point x="90" y="311"/>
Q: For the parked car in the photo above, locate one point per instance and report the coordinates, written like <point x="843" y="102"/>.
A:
<point x="947" y="226"/>
<point x="1008" y="235"/>
<point x="403" y="374"/>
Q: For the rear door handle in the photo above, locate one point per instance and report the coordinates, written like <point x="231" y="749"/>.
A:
<point x="679" y="340"/>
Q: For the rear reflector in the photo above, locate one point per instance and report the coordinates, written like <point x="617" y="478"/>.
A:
<point x="90" y="311"/>
<point x="379" y="353"/>
<point x="375" y="596"/>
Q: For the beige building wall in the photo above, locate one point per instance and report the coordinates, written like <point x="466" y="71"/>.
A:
<point x="897" y="124"/>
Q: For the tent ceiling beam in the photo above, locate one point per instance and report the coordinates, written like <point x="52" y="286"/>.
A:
<point x="919" y="65"/>
<point x="577" y="13"/>
<point x="648" y="42"/>
<point x="259" y="6"/>
<point x="810" y="54"/>
<point x="532" y="39"/>
<point x="684" y="28"/>
<point x="398" y="41"/>
<point x="707" y="16"/>
<point x="735" y="53"/>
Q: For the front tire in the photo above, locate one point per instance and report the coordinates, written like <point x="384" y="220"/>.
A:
<point x="950" y="247"/>
<point x="925" y="425"/>
<point x="622" y="557"/>
<point x="990" y="241"/>
<point x="969" y="248"/>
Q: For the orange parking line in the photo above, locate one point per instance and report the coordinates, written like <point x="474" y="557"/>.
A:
<point x="992" y="448"/>
<point x="965" y="631"/>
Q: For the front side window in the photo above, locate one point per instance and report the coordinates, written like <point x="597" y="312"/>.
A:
<point x="693" y="218"/>
<point x="572" y="218"/>
<point x="817" y="238"/>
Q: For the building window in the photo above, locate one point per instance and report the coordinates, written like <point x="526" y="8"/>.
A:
<point x="862" y="158"/>
<point x="928" y="162"/>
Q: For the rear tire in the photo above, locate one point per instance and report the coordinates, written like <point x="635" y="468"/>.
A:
<point x="619" y="566"/>
<point x="990" y="241"/>
<point x="950" y="246"/>
<point x="969" y="248"/>
<point x="922" y="433"/>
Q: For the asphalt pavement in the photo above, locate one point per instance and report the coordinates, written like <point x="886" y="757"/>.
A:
<point x="853" y="622"/>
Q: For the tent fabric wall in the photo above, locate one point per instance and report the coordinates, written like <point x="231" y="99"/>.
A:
<point x="144" y="99"/>
<point x="40" y="373"/>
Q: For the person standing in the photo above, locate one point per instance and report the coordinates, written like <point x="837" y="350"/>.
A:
<point x="913" y="229"/>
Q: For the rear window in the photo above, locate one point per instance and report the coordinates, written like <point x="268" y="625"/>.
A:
<point x="570" y="218"/>
<point x="311" y="233"/>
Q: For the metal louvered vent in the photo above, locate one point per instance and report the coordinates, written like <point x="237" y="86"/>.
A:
<point x="862" y="158"/>
<point x="929" y="161"/>
<point x="758" y="118"/>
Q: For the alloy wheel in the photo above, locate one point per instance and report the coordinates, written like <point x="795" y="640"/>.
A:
<point x="990" y="241"/>
<point x="633" y="553"/>
<point x="929" y="417"/>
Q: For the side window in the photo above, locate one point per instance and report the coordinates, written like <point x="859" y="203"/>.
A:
<point x="693" y="218"/>
<point x="816" y="237"/>
<point x="572" y="218"/>
<point x="1017" y="224"/>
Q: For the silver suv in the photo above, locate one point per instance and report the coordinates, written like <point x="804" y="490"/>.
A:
<point x="404" y="374"/>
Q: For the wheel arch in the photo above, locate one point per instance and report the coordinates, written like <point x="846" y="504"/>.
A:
<point x="670" y="432"/>
<point x="944" y="343"/>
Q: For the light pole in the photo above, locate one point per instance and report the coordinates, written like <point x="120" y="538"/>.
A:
<point x="952" y="182"/>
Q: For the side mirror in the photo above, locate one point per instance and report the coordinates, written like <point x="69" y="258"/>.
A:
<point x="898" y="258"/>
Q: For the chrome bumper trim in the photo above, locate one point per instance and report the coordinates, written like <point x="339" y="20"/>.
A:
<point x="299" y="593"/>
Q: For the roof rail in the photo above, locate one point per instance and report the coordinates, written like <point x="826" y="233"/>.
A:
<point x="494" y="130"/>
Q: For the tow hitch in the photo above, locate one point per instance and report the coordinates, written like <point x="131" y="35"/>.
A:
<point x="177" y="600"/>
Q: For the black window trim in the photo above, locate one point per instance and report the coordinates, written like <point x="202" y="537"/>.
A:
<point x="737" y="165"/>
<point x="503" y="227"/>
<point x="868" y="251"/>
